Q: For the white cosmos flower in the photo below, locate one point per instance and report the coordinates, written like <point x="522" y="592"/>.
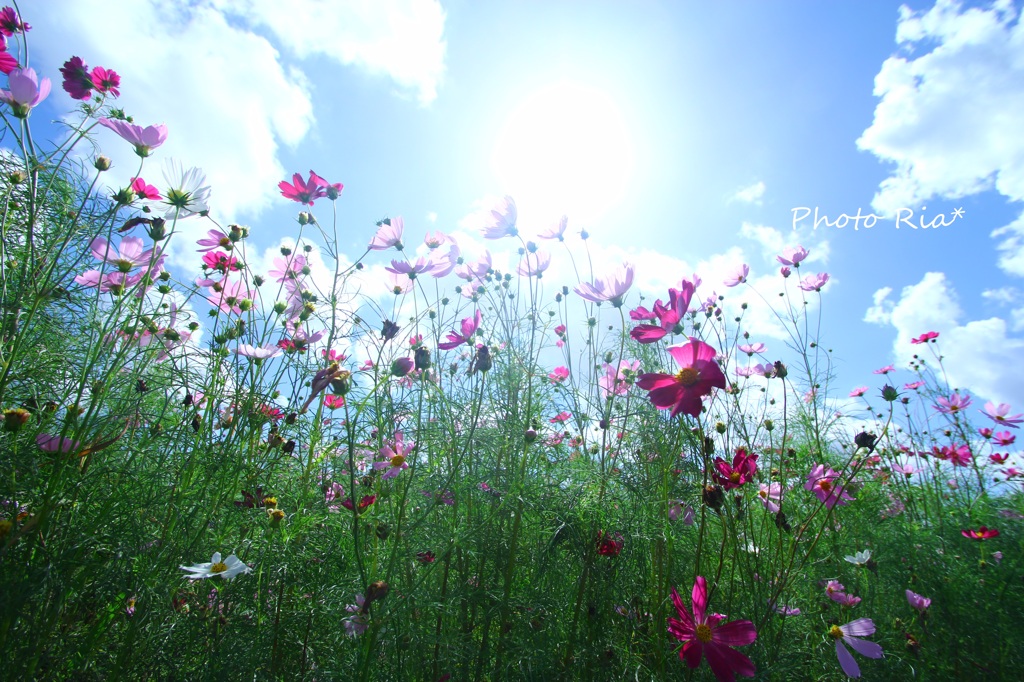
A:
<point x="860" y="558"/>
<point x="187" y="193"/>
<point x="227" y="569"/>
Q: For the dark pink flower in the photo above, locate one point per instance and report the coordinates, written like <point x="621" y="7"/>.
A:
<point x="682" y="391"/>
<point x="704" y="634"/>
<point x="469" y="328"/>
<point x="997" y="458"/>
<point x="1003" y="438"/>
<point x="608" y="544"/>
<point x="105" y="81"/>
<point x="734" y="475"/>
<point x="333" y="402"/>
<point x="304" y="191"/>
<point x="669" y="317"/>
<point x="145" y="139"/>
<point x="144" y="190"/>
<point x="925" y="338"/>
<point x="11" y="23"/>
<point x="220" y="261"/>
<point x="560" y="417"/>
<point x="850" y="633"/>
<point x="77" y="81"/>
<point x="7" y="61"/>
<point x="982" y="533"/>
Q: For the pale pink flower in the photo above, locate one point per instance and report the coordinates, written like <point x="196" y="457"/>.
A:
<point x="1001" y="415"/>
<point x="389" y="234"/>
<point x="435" y="239"/>
<point x="885" y="370"/>
<point x="814" y="282"/>
<point x="556" y="231"/>
<point x="501" y="220"/>
<point x="257" y="352"/>
<point x="534" y="264"/>
<point x="26" y="91"/>
<point x="850" y="633"/>
<point x="953" y="404"/>
<point x="792" y="255"/>
<point x="612" y="287"/>
<point x="858" y="392"/>
<point x="739" y="276"/>
<point x="145" y="139"/>
<point x="768" y="494"/>
<point x="617" y="382"/>
<point x="752" y="348"/>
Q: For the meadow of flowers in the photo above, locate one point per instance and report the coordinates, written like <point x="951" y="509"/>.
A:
<point x="213" y="472"/>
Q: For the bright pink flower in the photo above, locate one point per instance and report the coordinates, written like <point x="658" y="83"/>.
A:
<point x="953" y="404"/>
<point x="560" y="417"/>
<point x="26" y="91"/>
<point x="145" y="139"/>
<point x="558" y="375"/>
<point x="682" y="391"/>
<point x="834" y="587"/>
<point x="11" y="23"/>
<point x="792" y="255"/>
<point x="215" y="239"/>
<point x="7" y="61"/>
<point x="1003" y="438"/>
<point x="704" y="634"/>
<point x="556" y="231"/>
<point x="885" y="370"/>
<point x="106" y="81"/>
<point x="395" y="455"/>
<point x="918" y="602"/>
<point x="617" y="381"/>
<point x="144" y="190"/>
<point x="77" y="81"/>
<point x="850" y="633"/>
<point x="220" y="261"/>
<point x="669" y="317"/>
<point x="501" y="222"/>
<point x="469" y="327"/>
<point x="768" y="493"/>
<point x="925" y="338"/>
<point x="997" y="458"/>
<point x="814" y="282"/>
<point x="1001" y="415"/>
<point x="739" y="276"/>
<point x="740" y="472"/>
<point x="960" y="456"/>
<point x="304" y="191"/>
<point x="858" y="392"/>
<point x="333" y="402"/>
<point x="982" y="533"/>
<point x="612" y="287"/>
<point x="389" y="234"/>
<point x="823" y="482"/>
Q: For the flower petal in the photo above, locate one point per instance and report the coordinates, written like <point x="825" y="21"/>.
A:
<point x="846" y="661"/>
<point x="864" y="647"/>
<point x="736" y="633"/>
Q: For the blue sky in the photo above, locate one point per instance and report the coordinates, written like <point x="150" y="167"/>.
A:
<point x="694" y="130"/>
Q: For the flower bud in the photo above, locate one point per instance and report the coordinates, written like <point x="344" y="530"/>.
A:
<point x="402" y="366"/>
<point x="889" y="393"/>
<point x="422" y="358"/>
<point x="530" y="435"/>
<point x="15" y="419"/>
<point x="720" y="427"/>
<point x="713" y="496"/>
<point x="102" y="163"/>
<point x="769" y="425"/>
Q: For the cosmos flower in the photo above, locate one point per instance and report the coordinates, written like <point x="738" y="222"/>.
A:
<point x="918" y="602"/>
<point x="982" y="533"/>
<point x="77" y="81"/>
<point x="814" y="282"/>
<point x="739" y="276"/>
<point x="925" y="338"/>
<point x="145" y="139"/>
<point x="469" y="327"/>
<point x="304" y="191"/>
<point x="226" y="569"/>
<point x="395" y="455"/>
<point x="145" y="190"/>
<point x="128" y="256"/>
<point x="617" y="381"/>
<point x="860" y="558"/>
<point x="751" y="348"/>
<point x="740" y="472"/>
<point x="257" y="352"/>
<point x="669" y="317"/>
<point x="823" y="482"/>
<point x="884" y="370"/>
<point x="858" y="392"/>
<point x="1001" y="415"/>
<point x="556" y="231"/>
<point x="609" y="544"/>
<point x="611" y="287"/>
<point x="792" y="255"/>
<point x="768" y="493"/>
<point x="188" y="193"/>
<point x="534" y="264"/>
<point x="389" y="234"/>
<point x="953" y="404"/>
<point x="558" y="375"/>
<point x="106" y="81"/>
<point x="26" y="91"/>
<point x="850" y="634"/>
<point x="682" y="391"/>
<point x="705" y="634"/>
<point x="501" y="220"/>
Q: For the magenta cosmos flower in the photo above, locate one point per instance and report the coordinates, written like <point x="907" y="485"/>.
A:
<point x="953" y="404"/>
<point x="734" y="475"/>
<point x="26" y="91"/>
<point x="925" y="338"/>
<point x="682" y="391"/>
<point x="11" y="23"/>
<point x="705" y="634"/>
<point x="77" y="81"/>
<point x="611" y="287"/>
<point x="982" y="533"/>
<point x="469" y="326"/>
<point x="850" y="633"/>
<point x="304" y="191"/>
<point x="669" y="317"/>
<point x="145" y="139"/>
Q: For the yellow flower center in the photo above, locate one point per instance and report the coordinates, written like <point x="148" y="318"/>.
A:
<point x="734" y="477"/>
<point x="218" y="567"/>
<point x="688" y="376"/>
<point x="835" y="632"/>
<point x="397" y="461"/>
<point x="704" y="633"/>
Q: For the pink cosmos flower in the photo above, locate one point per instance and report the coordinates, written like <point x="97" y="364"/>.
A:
<point x="560" y="417"/>
<point x="558" y="375"/>
<point x="705" y="634"/>
<point x="982" y="533"/>
<point x="389" y="234"/>
<point x="435" y="239"/>
<point x="784" y="271"/>
<point x="421" y="265"/>
<point x="786" y="610"/>
<point x="106" y="81"/>
<point x="395" y="455"/>
<point x="288" y="267"/>
<point x="556" y="231"/>
<point x="814" y="282"/>
<point x="534" y="264"/>
<point x="443" y="265"/>
<point x="359" y="621"/>
<point x="26" y="91"/>
<point x="953" y="404"/>
<point x="918" y="602"/>
<point x="997" y="458"/>
<point x="611" y="287"/>
<point x="469" y="327"/>
<point x="215" y="239"/>
<point x="914" y="385"/>
<point x="1003" y="438"/>
<point x="144" y="190"/>
<point x="768" y="493"/>
<point x="304" y="191"/>
<point x="145" y="139"/>
<point x="116" y="283"/>
<point x="77" y="81"/>
<point x="925" y="338"/>
<point x="884" y="370"/>
<point x="257" y="352"/>
<point x="792" y="256"/>
<point x="399" y="284"/>
<point x="698" y="374"/>
<point x="7" y="61"/>
<point x="227" y="295"/>
<point x="740" y="472"/>
<point x="844" y="599"/>
<point x="669" y="317"/>
<point x="333" y="402"/>
<point x="823" y="482"/>
<point x="129" y="255"/>
<point x="617" y="381"/>
<point x="850" y="633"/>
<point x="1001" y="415"/>
<point x="50" y="443"/>
<point x="907" y="470"/>
<point x="858" y="392"/>
<point x="501" y="221"/>
<point x="751" y="348"/>
<point x="220" y="261"/>
<point x="739" y="276"/>
<point x="11" y="23"/>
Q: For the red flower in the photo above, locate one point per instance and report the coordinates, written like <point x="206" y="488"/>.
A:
<point x="698" y="374"/>
<point x="704" y="633"/>
<point x="304" y="191"/>
<point x="425" y="557"/>
<point x="743" y="468"/>
<point x="982" y="533"/>
<point x="608" y="545"/>
<point x="363" y="503"/>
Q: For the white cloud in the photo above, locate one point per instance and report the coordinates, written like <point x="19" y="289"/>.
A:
<point x="1011" y="248"/>
<point x="946" y="118"/>
<point x="1002" y="295"/>
<point x="750" y="195"/>
<point x="401" y="39"/>
<point x="976" y="355"/>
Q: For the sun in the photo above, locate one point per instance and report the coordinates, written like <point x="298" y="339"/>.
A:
<point x="566" y="149"/>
